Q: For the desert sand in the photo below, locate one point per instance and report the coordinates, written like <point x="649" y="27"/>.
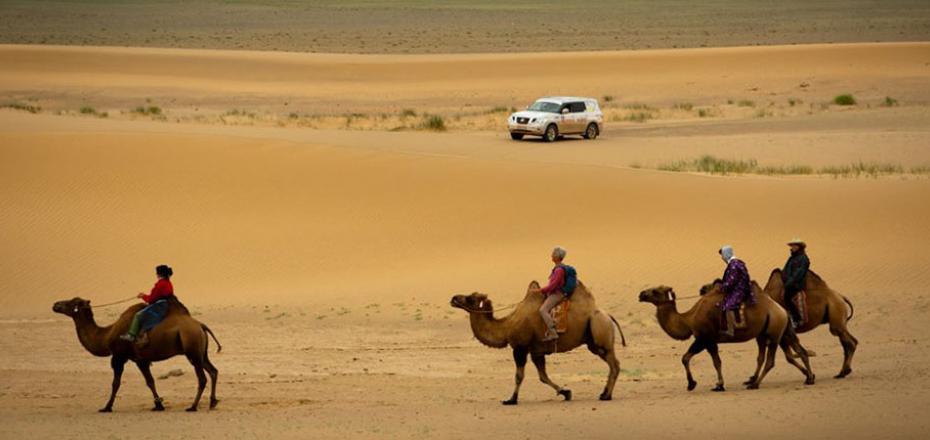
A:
<point x="324" y="259"/>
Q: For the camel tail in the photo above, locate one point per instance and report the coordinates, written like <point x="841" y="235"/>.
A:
<point x="852" y="310"/>
<point x="210" y="332"/>
<point x="622" y="338"/>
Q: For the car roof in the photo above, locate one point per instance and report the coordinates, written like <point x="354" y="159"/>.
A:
<point x="564" y="99"/>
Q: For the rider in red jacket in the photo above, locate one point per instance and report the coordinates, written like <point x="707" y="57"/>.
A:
<point x="161" y="291"/>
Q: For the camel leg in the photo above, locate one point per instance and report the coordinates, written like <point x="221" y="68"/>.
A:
<point x="759" y="361"/>
<point x="519" y="359"/>
<point x="790" y="342"/>
<point x="539" y="360"/>
<point x="117" y="364"/>
<point x="718" y="365"/>
<point x="213" y="372"/>
<point x="201" y="381"/>
<point x="696" y="347"/>
<point x="146" y="369"/>
<point x="770" y="350"/>
<point x="847" y="340"/>
<point x="611" y="358"/>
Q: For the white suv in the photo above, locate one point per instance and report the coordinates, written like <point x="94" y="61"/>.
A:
<point x="556" y="116"/>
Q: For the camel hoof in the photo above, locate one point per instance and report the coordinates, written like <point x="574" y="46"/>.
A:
<point x="751" y="380"/>
<point x="191" y="409"/>
<point x="509" y="402"/>
<point x="843" y="374"/>
<point x="105" y="410"/>
<point x="718" y="388"/>
<point x="567" y="394"/>
<point x="606" y="398"/>
<point x="752" y="386"/>
<point x="810" y="380"/>
<point x="213" y="404"/>
<point x="158" y="408"/>
<point x="691" y="385"/>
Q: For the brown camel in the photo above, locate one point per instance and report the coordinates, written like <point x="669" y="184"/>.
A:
<point x="523" y="330"/>
<point x="766" y="322"/>
<point x="824" y="305"/>
<point x="177" y="334"/>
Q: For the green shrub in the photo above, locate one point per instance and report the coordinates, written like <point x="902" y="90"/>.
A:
<point x="686" y="106"/>
<point x="844" y="100"/>
<point x="608" y="98"/>
<point x="408" y="113"/>
<point x="794" y="101"/>
<point x="746" y="103"/>
<point x="890" y="102"/>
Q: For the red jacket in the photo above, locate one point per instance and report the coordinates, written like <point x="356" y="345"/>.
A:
<point x="163" y="289"/>
<point x="556" y="281"/>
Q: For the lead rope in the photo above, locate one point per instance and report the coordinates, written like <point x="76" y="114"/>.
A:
<point x="114" y="302"/>
<point x="491" y="311"/>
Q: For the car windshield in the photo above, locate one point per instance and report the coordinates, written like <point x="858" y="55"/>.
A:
<point x="544" y="106"/>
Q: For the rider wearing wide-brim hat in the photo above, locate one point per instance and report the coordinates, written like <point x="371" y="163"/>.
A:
<point x="794" y="276"/>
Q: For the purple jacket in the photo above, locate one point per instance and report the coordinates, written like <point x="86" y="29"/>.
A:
<point x="736" y="286"/>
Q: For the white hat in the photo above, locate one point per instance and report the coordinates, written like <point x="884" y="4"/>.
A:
<point x="797" y="241"/>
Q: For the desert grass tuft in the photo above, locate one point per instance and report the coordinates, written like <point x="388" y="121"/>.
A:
<point x="889" y="102"/>
<point x="22" y="107"/>
<point x="638" y="117"/>
<point x="434" y="123"/>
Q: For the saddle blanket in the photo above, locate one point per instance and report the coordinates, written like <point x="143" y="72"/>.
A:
<point x="559" y="313"/>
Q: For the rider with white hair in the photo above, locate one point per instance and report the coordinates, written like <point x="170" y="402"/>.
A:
<point x="562" y="282"/>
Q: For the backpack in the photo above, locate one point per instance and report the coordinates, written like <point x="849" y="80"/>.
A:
<point x="571" y="280"/>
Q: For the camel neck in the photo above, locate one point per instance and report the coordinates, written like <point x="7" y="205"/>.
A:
<point x="672" y="322"/>
<point x="489" y="330"/>
<point x="92" y="336"/>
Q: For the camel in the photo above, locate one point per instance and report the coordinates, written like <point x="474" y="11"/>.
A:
<point x="177" y="334"/>
<point x="824" y="305"/>
<point x="766" y="322"/>
<point x="523" y="330"/>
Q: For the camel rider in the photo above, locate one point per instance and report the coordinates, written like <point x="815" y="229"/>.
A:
<point x="562" y="282"/>
<point x="794" y="275"/>
<point x="736" y="287"/>
<point x="156" y="300"/>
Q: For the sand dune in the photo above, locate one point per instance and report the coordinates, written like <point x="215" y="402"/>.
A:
<point x="190" y="81"/>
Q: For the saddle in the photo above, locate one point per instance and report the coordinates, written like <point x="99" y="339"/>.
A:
<point x="740" y="318"/>
<point x="559" y="313"/>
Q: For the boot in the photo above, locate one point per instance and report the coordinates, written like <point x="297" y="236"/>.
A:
<point x="551" y="335"/>
<point x="731" y="324"/>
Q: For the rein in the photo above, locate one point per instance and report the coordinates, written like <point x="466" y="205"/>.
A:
<point x="489" y="311"/>
<point x="113" y="303"/>
<point x="688" y="297"/>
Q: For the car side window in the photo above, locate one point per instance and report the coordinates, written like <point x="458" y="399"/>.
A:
<point x="577" y="107"/>
<point x="565" y="106"/>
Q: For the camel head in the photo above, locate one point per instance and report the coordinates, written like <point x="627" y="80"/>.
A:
<point x="705" y="289"/>
<point x="71" y="307"/>
<point x="658" y="295"/>
<point x="472" y="303"/>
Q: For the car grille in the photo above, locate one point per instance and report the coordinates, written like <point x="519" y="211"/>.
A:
<point x="523" y="120"/>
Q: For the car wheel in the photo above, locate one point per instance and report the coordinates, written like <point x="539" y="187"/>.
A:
<point x="516" y="136"/>
<point x="551" y="134"/>
<point x="591" y="132"/>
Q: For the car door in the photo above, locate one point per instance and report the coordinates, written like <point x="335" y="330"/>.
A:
<point x="577" y="117"/>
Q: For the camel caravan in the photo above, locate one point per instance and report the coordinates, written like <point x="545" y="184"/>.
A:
<point x="563" y="315"/>
<point x="556" y="318"/>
